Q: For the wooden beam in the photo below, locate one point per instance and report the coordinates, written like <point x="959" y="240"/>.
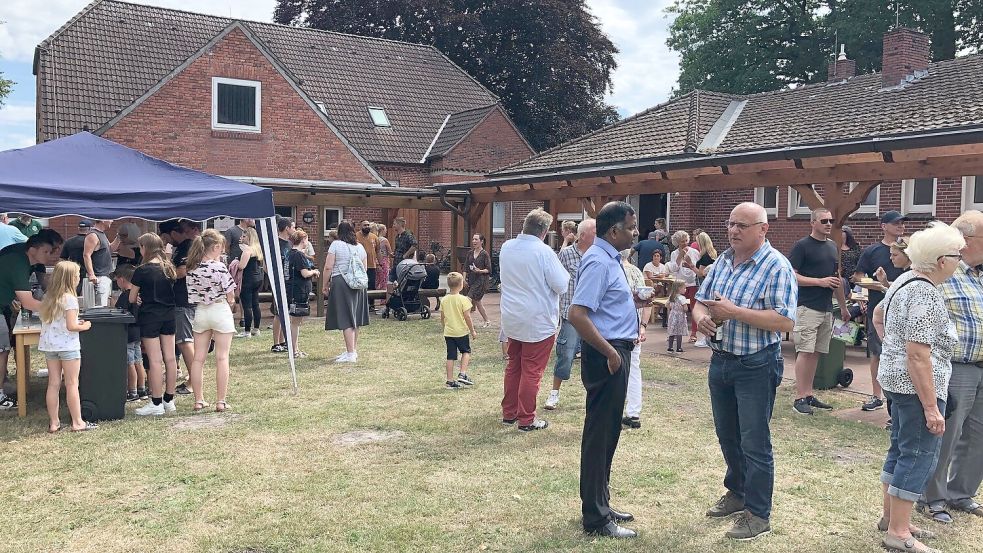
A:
<point x="589" y="207"/>
<point x="361" y="200"/>
<point x="809" y="194"/>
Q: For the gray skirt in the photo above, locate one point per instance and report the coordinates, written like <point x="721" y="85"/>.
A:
<point x="347" y="308"/>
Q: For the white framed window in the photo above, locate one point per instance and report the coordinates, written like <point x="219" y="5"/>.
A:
<point x="918" y="195"/>
<point x="236" y="105"/>
<point x="797" y="204"/>
<point x="379" y="117"/>
<point x="332" y="216"/>
<point x="768" y="199"/>
<point x="285" y="211"/>
<point x="871" y="203"/>
<point x="498" y="217"/>
<point x="973" y="192"/>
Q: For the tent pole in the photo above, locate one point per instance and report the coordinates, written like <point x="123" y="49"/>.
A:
<point x="271" y="253"/>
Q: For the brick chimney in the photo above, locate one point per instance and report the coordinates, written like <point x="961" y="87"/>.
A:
<point x="905" y="51"/>
<point x="841" y="68"/>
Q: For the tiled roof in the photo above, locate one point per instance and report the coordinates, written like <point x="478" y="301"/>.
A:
<point x="458" y="126"/>
<point x="950" y="96"/>
<point x="668" y="129"/>
<point x="107" y="56"/>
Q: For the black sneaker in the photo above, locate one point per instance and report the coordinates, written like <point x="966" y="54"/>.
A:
<point x="132" y="396"/>
<point x="802" y="407"/>
<point x="463" y="379"/>
<point x="631" y="422"/>
<point x="452" y="385"/>
<point x="509" y="422"/>
<point x="279" y="348"/>
<point x="182" y="389"/>
<point x="142" y="393"/>
<point x="538" y="424"/>
<point x="874" y="404"/>
<point x="817" y="404"/>
<point x="679" y="349"/>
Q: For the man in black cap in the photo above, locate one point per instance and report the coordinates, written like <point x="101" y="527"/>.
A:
<point x="875" y="256"/>
<point x="72" y="250"/>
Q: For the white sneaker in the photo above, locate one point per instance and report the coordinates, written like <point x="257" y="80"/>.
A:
<point x="7" y="402"/>
<point x="241" y="335"/>
<point x="352" y="357"/>
<point x="169" y="406"/>
<point x="553" y="400"/>
<point x="42" y="373"/>
<point x="343" y="358"/>
<point x="151" y="409"/>
<point x="254" y="332"/>
<point x="701" y="343"/>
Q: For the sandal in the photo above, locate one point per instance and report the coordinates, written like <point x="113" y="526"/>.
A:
<point x="88" y="426"/>
<point x="221" y="406"/>
<point x="692" y="339"/>
<point x="972" y="508"/>
<point x="50" y="431"/>
<point x="199" y="405"/>
<point x="917" y="533"/>
<point x="910" y="545"/>
<point x="937" y="513"/>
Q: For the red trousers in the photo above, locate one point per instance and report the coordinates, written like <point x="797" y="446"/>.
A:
<point x="527" y="362"/>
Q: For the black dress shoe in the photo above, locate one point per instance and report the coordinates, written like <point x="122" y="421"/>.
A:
<point x="618" y="516"/>
<point x="611" y="530"/>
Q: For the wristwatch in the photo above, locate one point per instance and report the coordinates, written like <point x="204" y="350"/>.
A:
<point x="645" y="325"/>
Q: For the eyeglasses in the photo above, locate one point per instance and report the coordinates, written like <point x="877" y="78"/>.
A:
<point x="826" y="221"/>
<point x="951" y="256"/>
<point x="741" y="226"/>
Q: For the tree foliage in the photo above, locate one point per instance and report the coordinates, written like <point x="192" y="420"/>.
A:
<point x="746" y="46"/>
<point x="547" y="60"/>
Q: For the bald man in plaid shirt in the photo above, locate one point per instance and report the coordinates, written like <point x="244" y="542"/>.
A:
<point x="751" y="294"/>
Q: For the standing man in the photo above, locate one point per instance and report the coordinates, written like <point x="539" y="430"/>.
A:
<point x="532" y="281"/>
<point x="644" y="249"/>
<point x="370" y="241"/>
<point x="9" y="234"/>
<point x="959" y="471"/>
<point x="26" y="225"/>
<point x="405" y="245"/>
<point x="568" y="341"/>
<point x="878" y="256"/>
<point x="815" y="260"/>
<point x="750" y="293"/>
<point x="234" y="235"/>
<point x="285" y="228"/>
<point x="182" y="234"/>
<point x="604" y="314"/>
<point x="97" y="260"/>
<point x="72" y="250"/>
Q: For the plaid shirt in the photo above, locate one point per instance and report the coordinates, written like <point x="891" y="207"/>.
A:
<point x="404" y="241"/>
<point x="570" y="258"/>
<point x="963" y="295"/>
<point x="765" y="281"/>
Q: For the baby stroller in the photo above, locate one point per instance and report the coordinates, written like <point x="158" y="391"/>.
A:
<point x="406" y="299"/>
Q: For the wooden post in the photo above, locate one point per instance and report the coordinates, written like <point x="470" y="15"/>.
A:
<point x="841" y="206"/>
<point x="455" y="264"/>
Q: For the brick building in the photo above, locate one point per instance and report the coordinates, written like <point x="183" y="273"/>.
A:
<point x="910" y="116"/>
<point x="302" y="111"/>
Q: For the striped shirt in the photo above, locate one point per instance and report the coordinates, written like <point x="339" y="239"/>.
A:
<point x="963" y="295"/>
<point x="570" y="258"/>
<point x="765" y="281"/>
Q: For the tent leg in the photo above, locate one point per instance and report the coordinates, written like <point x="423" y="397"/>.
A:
<point x="271" y="253"/>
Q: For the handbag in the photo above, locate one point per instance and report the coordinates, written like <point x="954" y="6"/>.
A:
<point x="300" y="310"/>
<point x="356" y="277"/>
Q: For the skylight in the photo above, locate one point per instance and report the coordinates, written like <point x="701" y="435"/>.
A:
<point x="379" y="117"/>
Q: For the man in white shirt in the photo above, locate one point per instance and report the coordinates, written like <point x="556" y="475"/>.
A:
<point x="532" y="281"/>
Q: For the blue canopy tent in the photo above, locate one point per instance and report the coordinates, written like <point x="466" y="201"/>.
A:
<point x="92" y="177"/>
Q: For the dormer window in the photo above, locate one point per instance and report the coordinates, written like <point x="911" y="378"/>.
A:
<point x="379" y="117"/>
<point x="236" y="105"/>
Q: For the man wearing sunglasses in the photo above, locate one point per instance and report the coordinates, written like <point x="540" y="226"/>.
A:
<point x="815" y="259"/>
<point x="873" y="257"/>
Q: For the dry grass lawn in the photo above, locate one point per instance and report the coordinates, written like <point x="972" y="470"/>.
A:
<point x="379" y="457"/>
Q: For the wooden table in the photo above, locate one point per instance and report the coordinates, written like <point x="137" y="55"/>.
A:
<point x="25" y="336"/>
<point x="875" y="286"/>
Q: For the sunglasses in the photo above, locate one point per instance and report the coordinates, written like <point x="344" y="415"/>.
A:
<point x="826" y="221"/>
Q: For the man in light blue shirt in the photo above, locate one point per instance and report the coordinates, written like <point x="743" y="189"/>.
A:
<point x="532" y="281"/>
<point x="603" y="311"/>
<point x="9" y="234"/>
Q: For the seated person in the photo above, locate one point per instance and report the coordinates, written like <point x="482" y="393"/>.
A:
<point x="433" y="275"/>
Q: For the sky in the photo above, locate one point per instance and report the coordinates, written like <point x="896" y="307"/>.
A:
<point x="647" y="69"/>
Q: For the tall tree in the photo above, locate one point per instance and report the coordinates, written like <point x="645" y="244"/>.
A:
<point x="746" y="46"/>
<point x="6" y="85"/>
<point x="548" y="60"/>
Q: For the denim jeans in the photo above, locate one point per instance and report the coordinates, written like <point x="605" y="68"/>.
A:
<point x="567" y="343"/>
<point x="742" y="396"/>
<point x="914" y="451"/>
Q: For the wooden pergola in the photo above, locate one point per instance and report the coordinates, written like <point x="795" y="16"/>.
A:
<point x="867" y="162"/>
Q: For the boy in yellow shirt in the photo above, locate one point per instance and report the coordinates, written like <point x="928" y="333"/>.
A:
<point x="455" y="315"/>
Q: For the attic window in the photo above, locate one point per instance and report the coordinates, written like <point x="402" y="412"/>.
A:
<point x="236" y="105"/>
<point x="322" y="107"/>
<point x="379" y="117"/>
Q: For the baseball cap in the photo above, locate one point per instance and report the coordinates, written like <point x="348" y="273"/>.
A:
<point x="892" y="217"/>
<point x="86" y="223"/>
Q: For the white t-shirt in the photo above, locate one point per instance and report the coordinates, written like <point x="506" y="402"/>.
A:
<point x="684" y="273"/>
<point x="55" y="335"/>
<point x="659" y="269"/>
<point x="343" y="255"/>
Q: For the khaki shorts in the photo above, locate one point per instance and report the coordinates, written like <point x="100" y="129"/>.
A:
<point x="812" y="330"/>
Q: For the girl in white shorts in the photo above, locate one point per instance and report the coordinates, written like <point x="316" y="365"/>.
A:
<point x="211" y="287"/>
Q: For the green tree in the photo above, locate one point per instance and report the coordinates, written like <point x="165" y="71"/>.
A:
<point x="6" y="85"/>
<point x="547" y="60"/>
<point x="746" y="46"/>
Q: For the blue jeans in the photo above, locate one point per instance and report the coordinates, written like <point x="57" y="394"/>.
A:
<point x="914" y="451"/>
<point x="567" y="344"/>
<point x="742" y="396"/>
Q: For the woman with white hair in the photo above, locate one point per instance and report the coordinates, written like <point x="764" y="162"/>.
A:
<point x="914" y="372"/>
<point x="682" y="265"/>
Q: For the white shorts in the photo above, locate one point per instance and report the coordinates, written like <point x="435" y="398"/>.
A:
<point x="216" y="317"/>
<point x="96" y="295"/>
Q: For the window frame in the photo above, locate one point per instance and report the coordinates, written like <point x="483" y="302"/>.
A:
<point x="381" y="110"/>
<point x="794" y="209"/>
<point x="908" y="193"/>
<point x="324" y="217"/>
<point x="258" y="105"/>
<point x="868" y="209"/>
<point x="496" y="229"/>
<point x="968" y="192"/>
<point x="759" y="198"/>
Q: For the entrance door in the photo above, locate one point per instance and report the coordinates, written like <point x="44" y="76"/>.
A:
<point x="650" y="208"/>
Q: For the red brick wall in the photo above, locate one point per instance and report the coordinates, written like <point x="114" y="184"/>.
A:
<point x="175" y="124"/>
<point x="905" y="51"/>
<point x="408" y="176"/>
<point x="493" y="144"/>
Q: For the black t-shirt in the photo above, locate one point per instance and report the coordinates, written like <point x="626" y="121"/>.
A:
<point x="645" y="249"/>
<point x="180" y="259"/>
<point x="72" y="249"/>
<point x="123" y="302"/>
<point x="298" y="287"/>
<point x="156" y="293"/>
<point x="874" y="256"/>
<point x="284" y="250"/>
<point x="705" y="261"/>
<point x="816" y="259"/>
<point x="432" y="281"/>
<point x="253" y="272"/>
